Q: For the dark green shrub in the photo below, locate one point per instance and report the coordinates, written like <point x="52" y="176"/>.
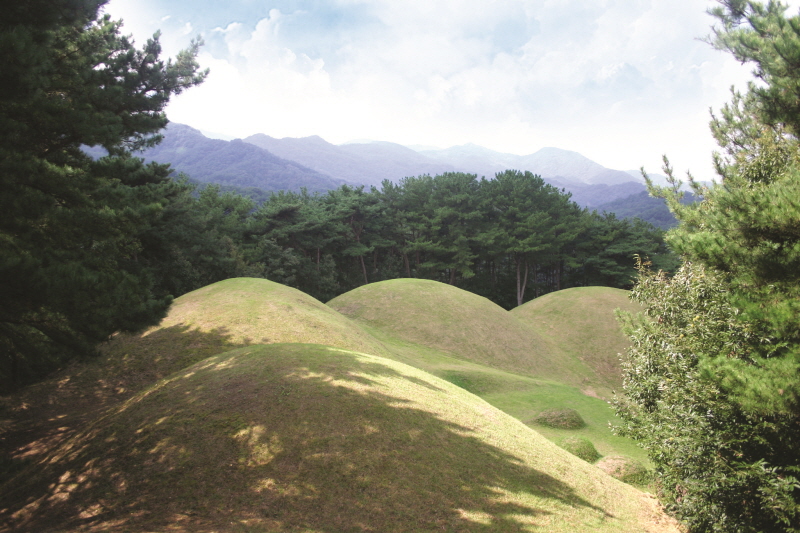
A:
<point x="580" y="447"/>
<point x="560" y="419"/>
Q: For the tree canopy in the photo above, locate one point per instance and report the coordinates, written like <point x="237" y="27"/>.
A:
<point x="712" y="383"/>
<point x="73" y="230"/>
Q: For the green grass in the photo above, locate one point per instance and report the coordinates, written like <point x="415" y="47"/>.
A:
<point x="561" y="418"/>
<point x="297" y="437"/>
<point x="598" y="415"/>
<point x="225" y="315"/>
<point x="459" y="323"/>
<point x="580" y="447"/>
<point x="579" y="325"/>
<point x="413" y="320"/>
<point x="317" y="438"/>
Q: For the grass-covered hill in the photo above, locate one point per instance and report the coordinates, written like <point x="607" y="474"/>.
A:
<point x="507" y="358"/>
<point x="578" y="324"/>
<point x="216" y="318"/>
<point x="253" y="407"/>
<point x="298" y="437"/>
<point x="460" y="323"/>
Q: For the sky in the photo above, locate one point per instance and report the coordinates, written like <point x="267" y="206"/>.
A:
<point x="620" y="81"/>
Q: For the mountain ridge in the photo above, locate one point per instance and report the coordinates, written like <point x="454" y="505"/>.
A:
<point x="317" y="165"/>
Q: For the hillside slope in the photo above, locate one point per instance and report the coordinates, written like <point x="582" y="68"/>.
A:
<point x="214" y="319"/>
<point x="232" y="313"/>
<point x="454" y="321"/>
<point x="505" y="358"/>
<point x="294" y="437"/>
<point x="579" y="323"/>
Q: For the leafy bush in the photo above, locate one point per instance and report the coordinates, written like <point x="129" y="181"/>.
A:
<point x="580" y="447"/>
<point x="560" y="419"/>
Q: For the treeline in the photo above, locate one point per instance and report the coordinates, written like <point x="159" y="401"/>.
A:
<point x="510" y="239"/>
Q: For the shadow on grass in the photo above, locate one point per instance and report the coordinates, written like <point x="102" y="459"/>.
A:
<point x="40" y="417"/>
<point x="289" y="438"/>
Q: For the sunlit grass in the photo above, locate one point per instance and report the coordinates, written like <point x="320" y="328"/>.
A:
<point x="295" y="437"/>
<point x="405" y="316"/>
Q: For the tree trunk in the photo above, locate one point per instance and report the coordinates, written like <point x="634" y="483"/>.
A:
<point x="363" y="269"/>
<point x="521" y="283"/>
<point x="558" y="274"/>
<point x="408" y="264"/>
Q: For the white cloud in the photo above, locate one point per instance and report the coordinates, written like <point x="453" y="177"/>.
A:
<point x="620" y="81"/>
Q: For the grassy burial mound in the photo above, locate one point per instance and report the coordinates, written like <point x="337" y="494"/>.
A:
<point x="208" y="321"/>
<point x="469" y="341"/>
<point x="295" y="437"/>
<point x="259" y="311"/>
<point x="579" y="324"/>
<point x="456" y="322"/>
<point x="228" y="314"/>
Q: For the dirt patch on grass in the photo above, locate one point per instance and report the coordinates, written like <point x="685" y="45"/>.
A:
<point x="625" y="469"/>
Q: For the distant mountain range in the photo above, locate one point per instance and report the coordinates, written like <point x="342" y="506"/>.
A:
<point x="272" y="164"/>
<point x="234" y="163"/>
<point x="358" y="163"/>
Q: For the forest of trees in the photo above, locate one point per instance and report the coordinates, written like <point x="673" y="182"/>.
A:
<point x="509" y="239"/>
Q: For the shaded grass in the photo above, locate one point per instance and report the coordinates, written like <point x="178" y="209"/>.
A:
<point x="293" y="437"/>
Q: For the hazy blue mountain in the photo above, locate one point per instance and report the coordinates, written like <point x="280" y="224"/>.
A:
<point x="644" y="206"/>
<point x="593" y="195"/>
<point x="473" y="159"/>
<point x="554" y="162"/>
<point x="272" y="164"/>
<point x="547" y="162"/>
<point x="360" y="163"/>
<point x="233" y="163"/>
<point x="590" y="183"/>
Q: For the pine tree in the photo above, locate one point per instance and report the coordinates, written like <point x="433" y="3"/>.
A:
<point x="711" y="384"/>
<point x="71" y="227"/>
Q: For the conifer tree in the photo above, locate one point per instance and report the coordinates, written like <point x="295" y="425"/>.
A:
<point x="71" y="227"/>
<point x="711" y="384"/>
